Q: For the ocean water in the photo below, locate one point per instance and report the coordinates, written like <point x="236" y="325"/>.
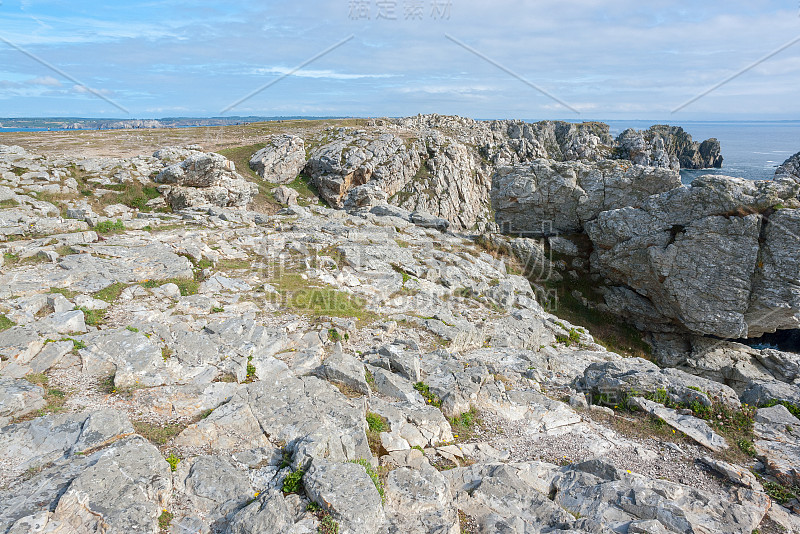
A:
<point x="751" y="149"/>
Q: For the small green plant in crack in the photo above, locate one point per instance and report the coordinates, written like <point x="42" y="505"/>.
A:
<point x="217" y="309"/>
<point x="293" y="482"/>
<point x="373" y="475"/>
<point x="572" y="338"/>
<point x="251" y="370"/>
<point x="793" y="409"/>
<point x="370" y="378"/>
<point x="132" y="329"/>
<point x="173" y="461"/>
<point x="465" y="425"/>
<point x="327" y="525"/>
<point x="746" y="446"/>
<point x="429" y="396"/>
<point x="165" y="520"/>
<point x="334" y="335"/>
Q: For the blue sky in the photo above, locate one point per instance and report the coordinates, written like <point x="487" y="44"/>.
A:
<point x="609" y="60"/>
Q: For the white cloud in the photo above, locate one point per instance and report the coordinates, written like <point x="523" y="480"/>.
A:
<point x="309" y="73"/>
<point x="48" y="81"/>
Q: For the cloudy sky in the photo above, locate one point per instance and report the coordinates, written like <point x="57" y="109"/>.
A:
<point x="625" y="59"/>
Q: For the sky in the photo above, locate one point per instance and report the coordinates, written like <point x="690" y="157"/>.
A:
<point x="543" y="59"/>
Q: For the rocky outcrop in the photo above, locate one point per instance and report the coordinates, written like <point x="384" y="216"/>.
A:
<point x="281" y="160"/>
<point x="205" y="180"/>
<point x="670" y="147"/>
<point x="789" y="169"/>
<point x="548" y="197"/>
<point x="711" y="258"/>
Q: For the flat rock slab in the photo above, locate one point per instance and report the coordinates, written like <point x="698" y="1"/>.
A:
<point x="779" y="445"/>
<point x="695" y="428"/>
<point x="347" y="492"/>
<point x="19" y="397"/>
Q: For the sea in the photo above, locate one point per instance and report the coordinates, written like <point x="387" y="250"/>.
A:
<point x="751" y="149"/>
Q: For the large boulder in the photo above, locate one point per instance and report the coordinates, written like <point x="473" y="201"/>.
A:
<point x="205" y="180"/>
<point x="711" y="258"/>
<point x="790" y="169"/>
<point x="549" y="197"/>
<point x="281" y="160"/>
<point x="668" y="146"/>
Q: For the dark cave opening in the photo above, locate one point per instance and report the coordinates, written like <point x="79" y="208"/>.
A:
<point x="783" y="340"/>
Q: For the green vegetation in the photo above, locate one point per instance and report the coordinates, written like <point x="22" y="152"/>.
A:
<point x="187" y="286"/>
<point x="173" y="461"/>
<point x="93" y="317"/>
<point x="372" y="475"/>
<point x="327" y="525"/>
<point x="573" y="338"/>
<point x="375" y="425"/>
<point x="158" y="434"/>
<point x="6" y="323"/>
<point x="108" y="227"/>
<point x="429" y="396"/>
<point x="8" y="203"/>
<point x="64" y="291"/>
<point x="111" y="293"/>
<point x="779" y="492"/>
<point x="9" y="258"/>
<point x="251" y="370"/>
<point x="369" y="378"/>
<point x="166" y="352"/>
<point x="131" y="329"/>
<point x="293" y="482"/>
<point x="300" y="295"/>
<point x="216" y="309"/>
<point x="165" y="520"/>
<point x="55" y="398"/>
<point x="333" y="335"/>
<point x="465" y="425"/>
<point x="134" y="195"/>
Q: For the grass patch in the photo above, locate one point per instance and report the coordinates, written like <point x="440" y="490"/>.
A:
<point x="8" y="203"/>
<point x="111" y="293"/>
<point x="109" y="227"/>
<point x="465" y="426"/>
<point x="157" y="434"/>
<point x="187" y="286"/>
<point x="298" y="294"/>
<point x="93" y="317"/>
<point x="9" y="258"/>
<point x="429" y="396"/>
<point x="54" y="397"/>
<point x="375" y="425"/>
<point x="133" y="194"/>
<point x="233" y="264"/>
<point x="6" y="323"/>
<point x="64" y="291"/>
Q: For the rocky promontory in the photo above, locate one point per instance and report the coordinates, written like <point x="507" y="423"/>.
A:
<point x="418" y="325"/>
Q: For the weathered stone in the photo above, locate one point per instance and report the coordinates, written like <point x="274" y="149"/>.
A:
<point x="19" y="398"/>
<point x="779" y="443"/>
<point x="693" y="427"/>
<point x="286" y="195"/>
<point x="123" y="492"/>
<point x="281" y="160"/>
<point x="614" y="380"/>
<point x="347" y="492"/>
<point x="205" y="180"/>
<point x="548" y="197"/>
<point x="344" y="369"/>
